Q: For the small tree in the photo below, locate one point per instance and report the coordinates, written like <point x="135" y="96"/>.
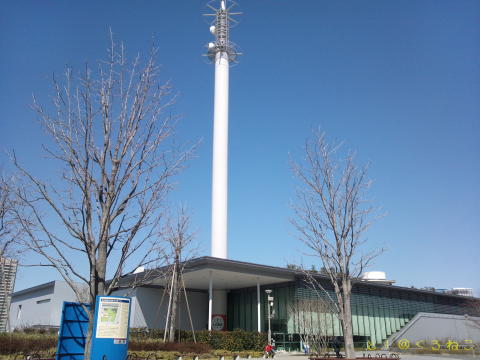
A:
<point x="332" y="217"/>
<point x="313" y="322"/>
<point x="179" y="240"/>
<point x="113" y="143"/>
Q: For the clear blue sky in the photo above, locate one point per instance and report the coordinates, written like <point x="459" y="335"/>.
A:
<point x="398" y="81"/>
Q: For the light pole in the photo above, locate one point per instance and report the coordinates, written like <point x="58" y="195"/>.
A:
<point x="269" y="314"/>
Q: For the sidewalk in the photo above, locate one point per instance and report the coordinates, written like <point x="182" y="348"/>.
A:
<point x="300" y="356"/>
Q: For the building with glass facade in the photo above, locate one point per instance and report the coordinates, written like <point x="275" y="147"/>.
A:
<point x="236" y="291"/>
<point x="378" y="311"/>
<point x="223" y="294"/>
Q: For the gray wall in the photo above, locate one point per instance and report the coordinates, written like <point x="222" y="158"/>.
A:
<point x="40" y="307"/>
<point x="440" y="327"/>
<point x="149" y="308"/>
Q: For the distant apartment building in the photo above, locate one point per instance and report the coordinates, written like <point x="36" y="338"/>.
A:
<point x="455" y="291"/>
<point x="40" y="306"/>
<point x="462" y="291"/>
<point x="8" y="271"/>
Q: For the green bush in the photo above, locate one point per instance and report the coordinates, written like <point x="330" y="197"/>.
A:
<point x="236" y="340"/>
<point x="159" y="345"/>
<point x="141" y="340"/>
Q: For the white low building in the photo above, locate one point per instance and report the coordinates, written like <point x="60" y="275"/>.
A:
<point x="39" y="306"/>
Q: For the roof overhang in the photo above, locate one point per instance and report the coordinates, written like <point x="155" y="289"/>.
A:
<point x="226" y="275"/>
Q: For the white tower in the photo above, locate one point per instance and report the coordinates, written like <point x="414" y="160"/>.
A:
<point x="221" y="52"/>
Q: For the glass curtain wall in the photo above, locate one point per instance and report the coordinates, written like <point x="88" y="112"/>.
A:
<point x="377" y="312"/>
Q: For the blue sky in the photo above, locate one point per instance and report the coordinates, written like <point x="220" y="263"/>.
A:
<point x="398" y="81"/>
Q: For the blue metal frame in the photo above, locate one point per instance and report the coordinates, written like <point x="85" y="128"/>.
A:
<point x="73" y="332"/>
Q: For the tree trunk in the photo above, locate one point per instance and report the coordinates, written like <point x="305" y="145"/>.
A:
<point x="88" y="339"/>
<point x="173" y="313"/>
<point x="347" y="324"/>
<point x="91" y="314"/>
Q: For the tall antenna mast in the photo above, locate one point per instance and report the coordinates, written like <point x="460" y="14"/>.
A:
<point x="220" y="52"/>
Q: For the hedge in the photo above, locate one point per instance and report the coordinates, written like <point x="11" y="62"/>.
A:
<point x="236" y="340"/>
<point x="143" y="340"/>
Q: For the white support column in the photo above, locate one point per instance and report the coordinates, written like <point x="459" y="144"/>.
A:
<point x="258" y="307"/>
<point x="210" y="301"/>
<point x="220" y="157"/>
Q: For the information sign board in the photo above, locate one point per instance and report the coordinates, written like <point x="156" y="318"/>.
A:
<point x="110" y="328"/>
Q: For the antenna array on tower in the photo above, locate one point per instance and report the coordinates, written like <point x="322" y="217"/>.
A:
<point x="223" y="20"/>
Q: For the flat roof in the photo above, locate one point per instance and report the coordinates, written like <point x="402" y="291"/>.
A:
<point x="230" y="274"/>
<point x="233" y="274"/>
<point x="34" y="288"/>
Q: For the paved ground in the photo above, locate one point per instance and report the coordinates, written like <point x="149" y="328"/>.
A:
<point x="300" y="356"/>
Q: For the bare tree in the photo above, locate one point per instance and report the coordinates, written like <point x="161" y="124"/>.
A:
<point x="313" y="321"/>
<point x="177" y="253"/>
<point x="332" y="217"/>
<point x="112" y="138"/>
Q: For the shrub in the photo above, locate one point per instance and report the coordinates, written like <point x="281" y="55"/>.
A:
<point x="159" y="345"/>
<point x="14" y="343"/>
<point x="141" y="340"/>
<point x="237" y="340"/>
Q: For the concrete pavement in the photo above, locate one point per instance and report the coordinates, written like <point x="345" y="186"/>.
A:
<point x="300" y="356"/>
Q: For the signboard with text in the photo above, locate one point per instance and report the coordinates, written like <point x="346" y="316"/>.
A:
<point x="110" y="328"/>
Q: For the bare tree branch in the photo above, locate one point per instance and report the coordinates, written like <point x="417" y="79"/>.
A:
<point x="178" y="252"/>
<point x="332" y="217"/>
<point x="111" y="136"/>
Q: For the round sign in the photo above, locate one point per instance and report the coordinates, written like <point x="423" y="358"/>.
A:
<point x="218" y="322"/>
